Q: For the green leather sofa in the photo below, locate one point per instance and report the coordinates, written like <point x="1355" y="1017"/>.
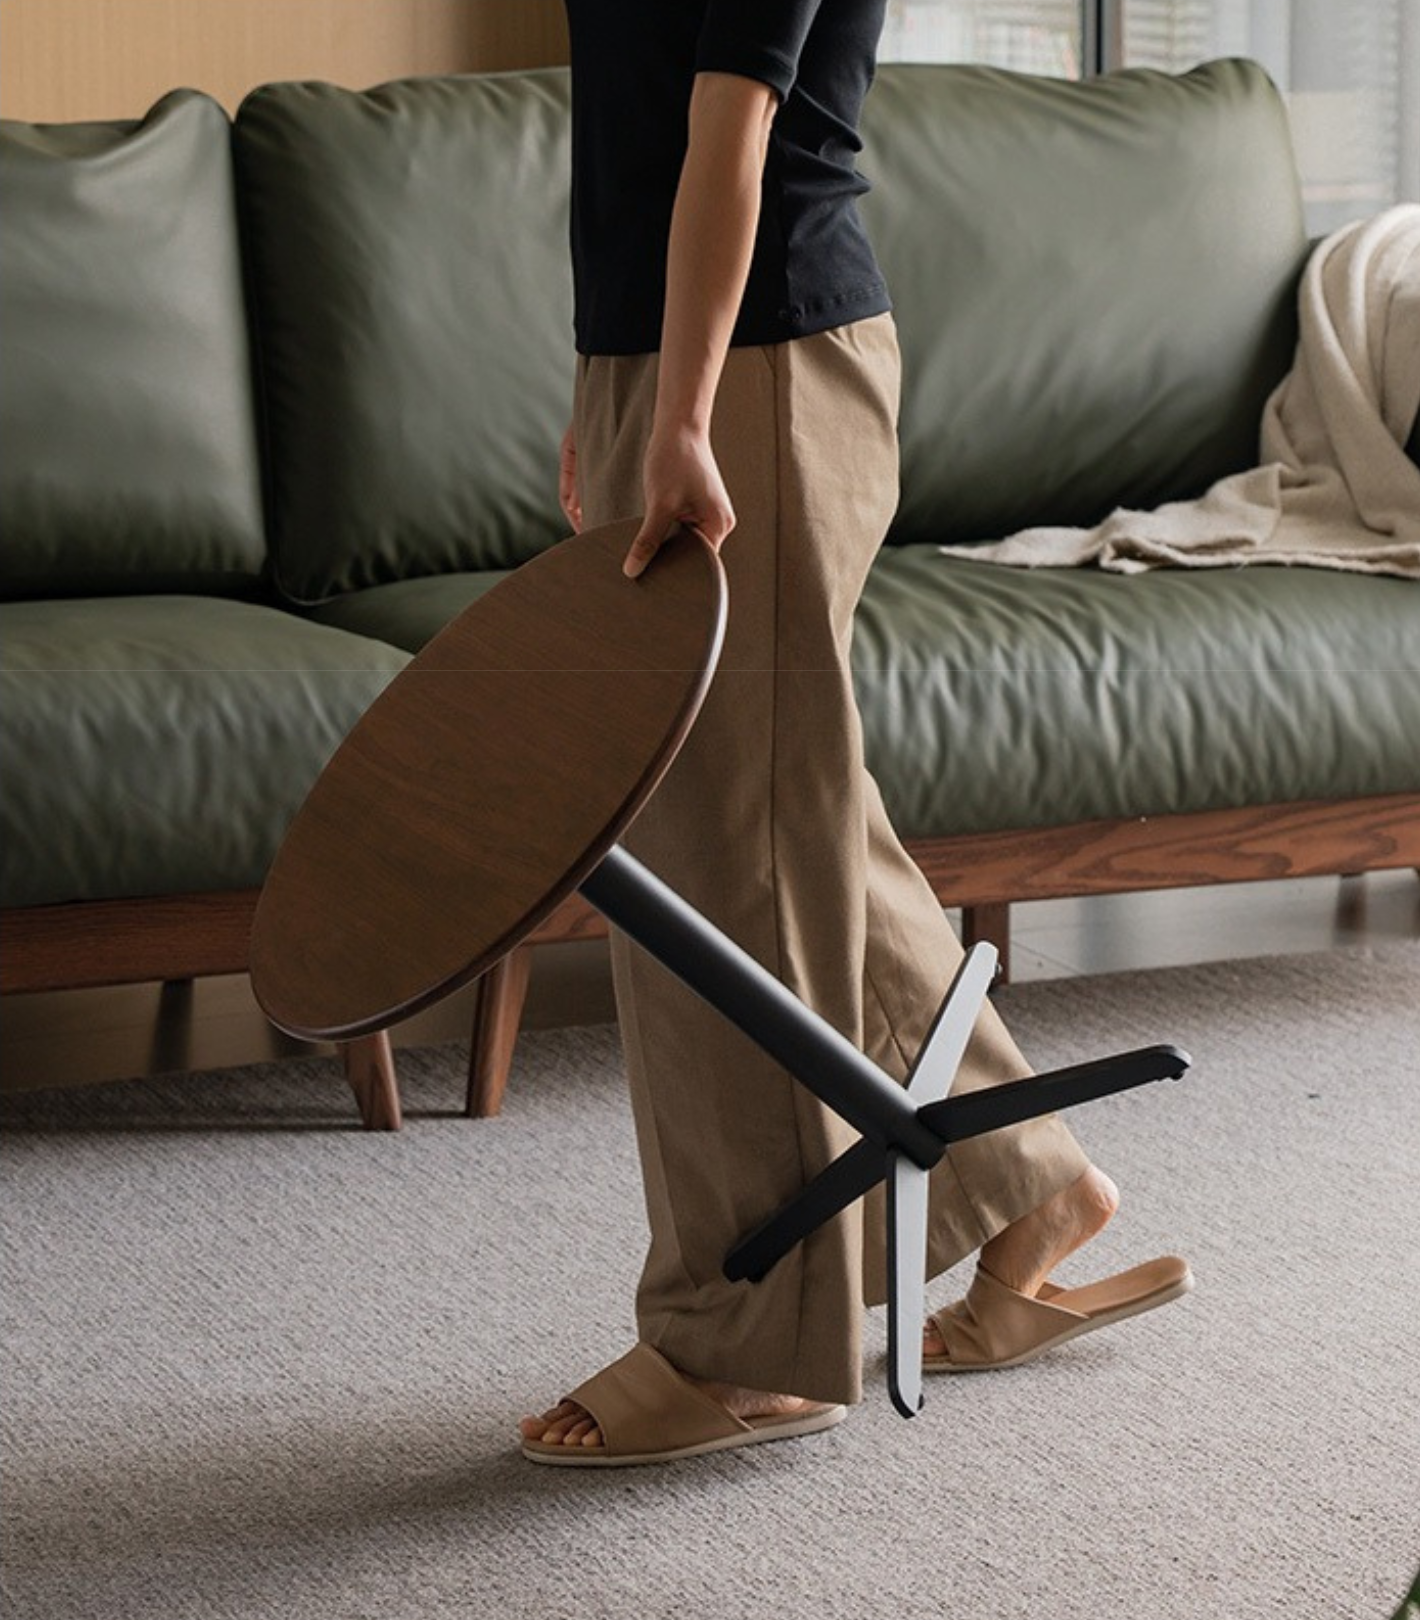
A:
<point x="281" y="394"/>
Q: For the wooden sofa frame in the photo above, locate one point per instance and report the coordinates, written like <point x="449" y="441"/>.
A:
<point x="183" y="937"/>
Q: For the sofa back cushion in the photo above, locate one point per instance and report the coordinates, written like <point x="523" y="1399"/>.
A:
<point x="1093" y="285"/>
<point x="413" y="296"/>
<point x="126" y="400"/>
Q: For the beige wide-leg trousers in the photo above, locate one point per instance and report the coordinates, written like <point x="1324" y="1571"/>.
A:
<point x="769" y="823"/>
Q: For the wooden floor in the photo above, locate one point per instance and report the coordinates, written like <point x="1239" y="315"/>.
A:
<point x="79" y="1037"/>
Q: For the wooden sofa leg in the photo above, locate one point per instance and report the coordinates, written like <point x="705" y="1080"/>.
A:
<point x="993" y="925"/>
<point x="369" y="1067"/>
<point x="497" y="1012"/>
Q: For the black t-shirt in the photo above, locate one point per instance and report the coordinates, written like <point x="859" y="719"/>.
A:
<point x="633" y="68"/>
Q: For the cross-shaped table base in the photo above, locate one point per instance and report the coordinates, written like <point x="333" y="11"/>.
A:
<point x="904" y="1131"/>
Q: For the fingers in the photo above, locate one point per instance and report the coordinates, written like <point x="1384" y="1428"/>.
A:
<point x="682" y="484"/>
<point x="567" y="493"/>
<point x="714" y="522"/>
<point x="655" y="530"/>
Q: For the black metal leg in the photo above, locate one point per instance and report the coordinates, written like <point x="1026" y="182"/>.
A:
<point x="730" y="979"/>
<point x="850" y="1175"/>
<point x="980" y="1111"/>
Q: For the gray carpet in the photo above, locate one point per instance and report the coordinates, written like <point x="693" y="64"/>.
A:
<point x="259" y="1363"/>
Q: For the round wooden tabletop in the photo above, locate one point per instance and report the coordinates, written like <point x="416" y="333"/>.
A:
<point x="488" y="779"/>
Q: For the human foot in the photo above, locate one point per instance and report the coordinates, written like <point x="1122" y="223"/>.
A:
<point x="1024" y="1254"/>
<point x="570" y="1424"/>
<point x="995" y="1326"/>
<point x="640" y="1409"/>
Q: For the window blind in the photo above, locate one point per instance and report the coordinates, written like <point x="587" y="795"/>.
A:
<point x="1350" y="73"/>
<point x="1349" y="69"/>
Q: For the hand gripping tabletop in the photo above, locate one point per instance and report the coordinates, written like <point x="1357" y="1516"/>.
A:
<point x="494" y="776"/>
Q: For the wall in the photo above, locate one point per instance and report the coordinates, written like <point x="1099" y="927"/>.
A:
<point x="74" y="59"/>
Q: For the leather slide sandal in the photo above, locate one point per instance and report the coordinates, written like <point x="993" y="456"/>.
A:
<point x="648" y="1413"/>
<point x="994" y="1326"/>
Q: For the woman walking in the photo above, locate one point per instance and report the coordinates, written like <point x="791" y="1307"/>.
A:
<point x="738" y="371"/>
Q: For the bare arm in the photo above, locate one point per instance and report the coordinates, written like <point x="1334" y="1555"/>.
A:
<point x="711" y="244"/>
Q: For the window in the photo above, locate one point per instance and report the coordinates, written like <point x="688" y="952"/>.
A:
<point x="1350" y="71"/>
<point x="1041" y="38"/>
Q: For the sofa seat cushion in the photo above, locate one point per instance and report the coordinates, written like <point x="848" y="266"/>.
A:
<point x="995" y="697"/>
<point x="999" y="698"/>
<point x="411" y="612"/>
<point x="161" y="745"/>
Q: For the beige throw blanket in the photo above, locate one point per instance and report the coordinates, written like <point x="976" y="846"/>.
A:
<point x="1335" y="488"/>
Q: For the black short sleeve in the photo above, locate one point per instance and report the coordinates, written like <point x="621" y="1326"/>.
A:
<point x="634" y="64"/>
<point x="757" y="39"/>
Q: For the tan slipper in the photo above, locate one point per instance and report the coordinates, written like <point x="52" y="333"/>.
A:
<point x="994" y="1326"/>
<point x="648" y="1413"/>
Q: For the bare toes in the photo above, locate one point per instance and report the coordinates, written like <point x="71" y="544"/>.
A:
<point x="534" y="1428"/>
<point x="565" y="1424"/>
